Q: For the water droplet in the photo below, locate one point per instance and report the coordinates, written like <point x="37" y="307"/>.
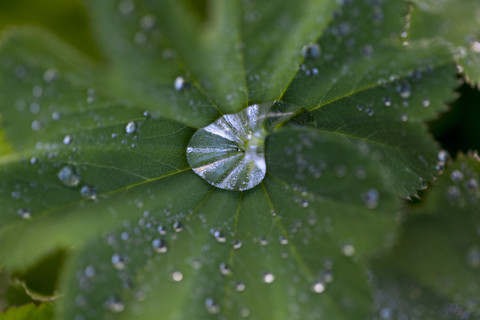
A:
<point x="114" y="304"/>
<point x="177" y="276"/>
<point x="474" y="257"/>
<point x="69" y="176"/>
<point x="219" y="235"/>
<point x="237" y="244"/>
<point x="88" y="192"/>
<point x="159" y="245"/>
<point x="36" y="125"/>
<point x="225" y="269"/>
<point x="311" y="51"/>
<point x="268" y="277"/>
<point x="404" y="90"/>
<point x="24" y="214"/>
<point x="148" y="22"/>
<point x="240" y="286"/>
<point x="453" y="193"/>
<point x="456" y="176"/>
<point x="118" y="261"/>
<point x="369" y="112"/>
<point x="56" y="115"/>
<point x="387" y="101"/>
<point x="161" y="229"/>
<point x="179" y="83"/>
<point x="211" y="306"/>
<point x="229" y="153"/>
<point x="404" y="117"/>
<point x="443" y="156"/>
<point x="130" y="127"/>
<point x="50" y="74"/>
<point x="318" y="287"/>
<point x="67" y="139"/>
<point x="90" y="271"/>
<point x="126" y="6"/>
<point x="177" y="226"/>
<point x="426" y="103"/>
<point x="283" y="241"/>
<point x="348" y="249"/>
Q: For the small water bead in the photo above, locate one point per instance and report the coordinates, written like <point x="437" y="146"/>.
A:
<point x="91" y="96"/>
<point x="237" y="244"/>
<point x="404" y="90"/>
<point x="456" y="176"/>
<point x="311" y="51"/>
<point x="369" y="112"/>
<point x="90" y="271"/>
<point x="68" y="176"/>
<point x="161" y="229"/>
<point x="219" y="235"/>
<point x="36" y="125"/>
<point x="426" y="103"/>
<point x="263" y="241"/>
<point x="37" y="91"/>
<point x="126" y="7"/>
<point x="472" y="184"/>
<point x="177" y="276"/>
<point x="404" y="117"/>
<point x="67" y="139"/>
<point x="318" y="287"/>
<point x="283" y="241"/>
<point x="211" y="306"/>
<point x="360" y="107"/>
<point x="371" y="198"/>
<point x="179" y="83"/>
<point x="387" y="101"/>
<point x="240" y="286"/>
<point x="130" y="127"/>
<point x="159" y="245"/>
<point x="124" y="236"/>
<point x="24" y="213"/>
<point x="88" y="192"/>
<point x="177" y="226"/>
<point x="148" y="22"/>
<point x="443" y="156"/>
<point x="50" y="75"/>
<point x="225" y="269"/>
<point x="118" y="261"/>
<point x="348" y="249"/>
<point x="268" y="277"/>
<point x="474" y="257"/>
<point x="453" y="193"/>
<point x="56" y="115"/>
<point x="114" y="304"/>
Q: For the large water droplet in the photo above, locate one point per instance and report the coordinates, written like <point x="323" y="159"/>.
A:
<point x="229" y="153"/>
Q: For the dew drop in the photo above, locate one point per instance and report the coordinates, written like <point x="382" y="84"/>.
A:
<point x="387" y="102"/>
<point x="118" y="261"/>
<point x="148" y="22"/>
<point x="69" y="176"/>
<point x="130" y="127"/>
<point x="283" y="241"/>
<point x="177" y="276"/>
<point x="229" y="153"/>
<point x="237" y="244"/>
<point x="404" y="117"/>
<point x="179" y="83"/>
<point x="159" y="245"/>
<point x="474" y="257"/>
<point x="67" y="139"/>
<point x="219" y="235"/>
<point x="88" y="192"/>
<point x="90" y="271"/>
<point x="240" y="286"/>
<point x="426" y="103"/>
<point x="268" y="277"/>
<point x="318" y="287"/>
<point x="348" y="249"/>
<point x="211" y="306"/>
<point x="126" y="6"/>
<point x="114" y="304"/>
<point x="24" y="214"/>
<point x="50" y="74"/>
<point x="225" y="269"/>
<point x="311" y="51"/>
<point x="456" y="176"/>
<point x="161" y="229"/>
<point x="177" y="226"/>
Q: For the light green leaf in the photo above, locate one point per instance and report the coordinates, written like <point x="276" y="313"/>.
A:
<point x="439" y="249"/>
<point x="30" y="312"/>
<point x="99" y="175"/>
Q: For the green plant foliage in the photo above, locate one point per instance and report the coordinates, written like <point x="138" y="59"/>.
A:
<point x="438" y="253"/>
<point x="30" y="312"/>
<point x="97" y="164"/>
<point x="441" y="19"/>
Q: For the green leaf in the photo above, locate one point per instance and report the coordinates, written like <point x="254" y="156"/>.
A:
<point x="438" y="252"/>
<point x="99" y="162"/>
<point x="30" y="312"/>
<point x="454" y="21"/>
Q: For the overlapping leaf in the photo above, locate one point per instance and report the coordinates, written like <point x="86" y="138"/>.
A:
<point x="438" y="254"/>
<point x="158" y="239"/>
